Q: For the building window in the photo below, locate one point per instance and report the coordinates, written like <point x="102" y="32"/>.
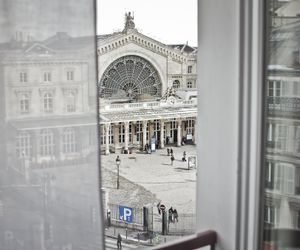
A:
<point x="23" y="144"/>
<point x="189" y="85"/>
<point x="69" y="141"/>
<point x="46" y="142"/>
<point x="23" y="77"/>
<point x="110" y="135"/>
<point x="48" y="103"/>
<point x="70" y="102"/>
<point x="269" y="175"/>
<point x="130" y="131"/>
<point x="24" y="104"/>
<point x="139" y="131"/>
<point x="284" y="178"/>
<point x="270" y="215"/>
<point x="190" y="125"/>
<point x="70" y="75"/>
<point x="281" y="137"/>
<point x="47" y="76"/>
<point x="173" y="130"/>
<point x="274" y="88"/>
<point x="102" y="135"/>
<point x="176" y="84"/>
<point x="157" y="129"/>
<point x="297" y="140"/>
<point x="121" y="133"/>
<point x="190" y="69"/>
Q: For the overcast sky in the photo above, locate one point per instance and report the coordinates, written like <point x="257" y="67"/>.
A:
<point x="169" y="21"/>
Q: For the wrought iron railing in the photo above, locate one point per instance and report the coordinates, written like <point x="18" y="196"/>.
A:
<point x="207" y="238"/>
<point x="283" y="104"/>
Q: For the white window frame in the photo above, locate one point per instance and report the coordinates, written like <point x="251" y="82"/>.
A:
<point x="23" y="144"/>
<point x="48" y="102"/>
<point x="232" y="121"/>
<point x="46" y="142"/>
<point x="69" y="141"/>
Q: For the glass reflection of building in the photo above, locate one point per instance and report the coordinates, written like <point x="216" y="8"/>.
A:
<point x="45" y="101"/>
<point x="282" y="169"/>
<point x="49" y="168"/>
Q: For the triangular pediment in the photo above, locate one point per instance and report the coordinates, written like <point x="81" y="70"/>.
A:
<point x="120" y="39"/>
<point x="38" y="48"/>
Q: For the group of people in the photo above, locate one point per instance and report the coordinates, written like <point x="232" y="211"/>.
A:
<point x="170" y="152"/>
<point x="173" y="215"/>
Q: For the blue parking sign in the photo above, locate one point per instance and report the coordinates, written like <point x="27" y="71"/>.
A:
<point x="126" y="214"/>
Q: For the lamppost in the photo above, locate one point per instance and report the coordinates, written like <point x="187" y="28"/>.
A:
<point x="118" y="162"/>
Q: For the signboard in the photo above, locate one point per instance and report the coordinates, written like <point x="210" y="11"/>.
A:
<point x="192" y="162"/>
<point x="189" y="137"/>
<point x="153" y="142"/>
<point x="162" y="207"/>
<point x="126" y="214"/>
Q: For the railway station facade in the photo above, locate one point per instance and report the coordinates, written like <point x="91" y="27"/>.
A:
<point x="147" y="91"/>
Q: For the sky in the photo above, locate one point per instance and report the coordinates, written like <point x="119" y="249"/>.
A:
<point x="168" y="21"/>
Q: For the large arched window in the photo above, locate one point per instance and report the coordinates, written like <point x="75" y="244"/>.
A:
<point x="46" y="142"/>
<point x="129" y="77"/>
<point x="48" y="102"/>
<point x="69" y="140"/>
<point x="23" y="144"/>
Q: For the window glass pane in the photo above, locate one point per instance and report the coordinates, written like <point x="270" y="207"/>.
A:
<point x="49" y="172"/>
<point x="147" y="90"/>
<point x="281" y="180"/>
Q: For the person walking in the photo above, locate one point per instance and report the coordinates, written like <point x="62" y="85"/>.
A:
<point x="119" y="241"/>
<point x="184" y="156"/>
<point x="170" y="214"/>
<point x="172" y="159"/>
<point x="168" y="151"/>
<point x="171" y="151"/>
<point x="175" y="215"/>
<point x="158" y="208"/>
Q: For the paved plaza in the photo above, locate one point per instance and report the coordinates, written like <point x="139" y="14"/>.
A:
<point x="172" y="185"/>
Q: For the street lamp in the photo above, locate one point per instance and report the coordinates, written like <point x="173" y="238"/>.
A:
<point x="118" y="162"/>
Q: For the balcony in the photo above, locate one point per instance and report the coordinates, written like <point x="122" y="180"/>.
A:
<point x="283" y="106"/>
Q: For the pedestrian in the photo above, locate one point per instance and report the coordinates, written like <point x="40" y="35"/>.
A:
<point x="171" y="151"/>
<point x="108" y="218"/>
<point x="158" y="208"/>
<point x="175" y="215"/>
<point x="172" y="159"/>
<point x="168" y="151"/>
<point x="170" y="214"/>
<point x="119" y="241"/>
<point x="184" y="156"/>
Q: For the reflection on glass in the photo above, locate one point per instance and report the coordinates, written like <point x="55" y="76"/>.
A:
<point x="282" y="169"/>
<point x="49" y="185"/>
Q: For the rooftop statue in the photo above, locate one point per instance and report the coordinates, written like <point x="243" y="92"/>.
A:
<point x="129" y="24"/>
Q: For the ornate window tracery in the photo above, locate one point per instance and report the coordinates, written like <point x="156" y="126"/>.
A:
<point x="128" y="77"/>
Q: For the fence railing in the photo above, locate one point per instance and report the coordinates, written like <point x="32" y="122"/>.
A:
<point x="195" y="241"/>
<point x="186" y="224"/>
<point x="155" y="104"/>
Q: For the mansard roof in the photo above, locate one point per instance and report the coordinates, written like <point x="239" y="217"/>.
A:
<point x="183" y="48"/>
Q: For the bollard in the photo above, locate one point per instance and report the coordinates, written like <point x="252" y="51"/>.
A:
<point x="114" y="231"/>
<point x="126" y="233"/>
<point x="138" y="237"/>
<point x="165" y="239"/>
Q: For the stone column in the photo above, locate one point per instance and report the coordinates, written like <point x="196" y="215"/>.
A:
<point x="195" y="132"/>
<point x="162" y="123"/>
<point x="179" y="127"/>
<point x="151" y="129"/>
<point x="107" y="126"/>
<point x="144" y="133"/>
<point x="116" y="135"/>
<point x="126" y="124"/>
